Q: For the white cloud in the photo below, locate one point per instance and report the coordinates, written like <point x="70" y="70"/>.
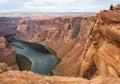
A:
<point x="55" y="5"/>
<point x="40" y="7"/>
<point x="2" y="2"/>
<point x="61" y="1"/>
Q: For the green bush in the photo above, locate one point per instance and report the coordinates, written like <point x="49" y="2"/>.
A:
<point x="23" y="62"/>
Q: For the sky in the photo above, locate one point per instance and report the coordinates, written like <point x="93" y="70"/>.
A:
<point x="55" y="5"/>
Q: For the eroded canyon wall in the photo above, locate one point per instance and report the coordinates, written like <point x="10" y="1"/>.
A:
<point x="65" y="35"/>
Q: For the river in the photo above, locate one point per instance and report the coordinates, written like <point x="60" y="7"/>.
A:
<point x="42" y="60"/>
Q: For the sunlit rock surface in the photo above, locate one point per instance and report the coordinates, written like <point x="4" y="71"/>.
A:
<point x="27" y="77"/>
<point x="3" y="67"/>
<point x="102" y="49"/>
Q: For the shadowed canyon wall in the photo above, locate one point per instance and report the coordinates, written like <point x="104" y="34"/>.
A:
<point x="8" y="25"/>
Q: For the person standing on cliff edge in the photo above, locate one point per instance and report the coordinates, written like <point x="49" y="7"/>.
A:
<point x="111" y="7"/>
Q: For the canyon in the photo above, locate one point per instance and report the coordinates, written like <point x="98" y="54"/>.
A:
<point x="88" y="46"/>
<point x="65" y="35"/>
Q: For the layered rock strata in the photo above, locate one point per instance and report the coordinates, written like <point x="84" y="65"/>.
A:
<point x="102" y="49"/>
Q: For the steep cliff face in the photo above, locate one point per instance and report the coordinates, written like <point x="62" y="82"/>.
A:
<point x="7" y="54"/>
<point x="69" y="44"/>
<point x="102" y="51"/>
<point x="66" y="36"/>
<point x="36" y="29"/>
<point x="72" y="27"/>
<point x="8" y="25"/>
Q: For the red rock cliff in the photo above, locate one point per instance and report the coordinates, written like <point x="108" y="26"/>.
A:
<point x="102" y="51"/>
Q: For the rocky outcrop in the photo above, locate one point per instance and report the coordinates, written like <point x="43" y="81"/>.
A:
<point x="65" y="35"/>
<point x="117" y="8"/>
<point x="102" y="49"/>
<point x="7" y="54"/>
<point x="17" y="77"/>
<point x="27" y="77"/>
<point x="4" y="67"/>
<point x="8" y="25"/>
